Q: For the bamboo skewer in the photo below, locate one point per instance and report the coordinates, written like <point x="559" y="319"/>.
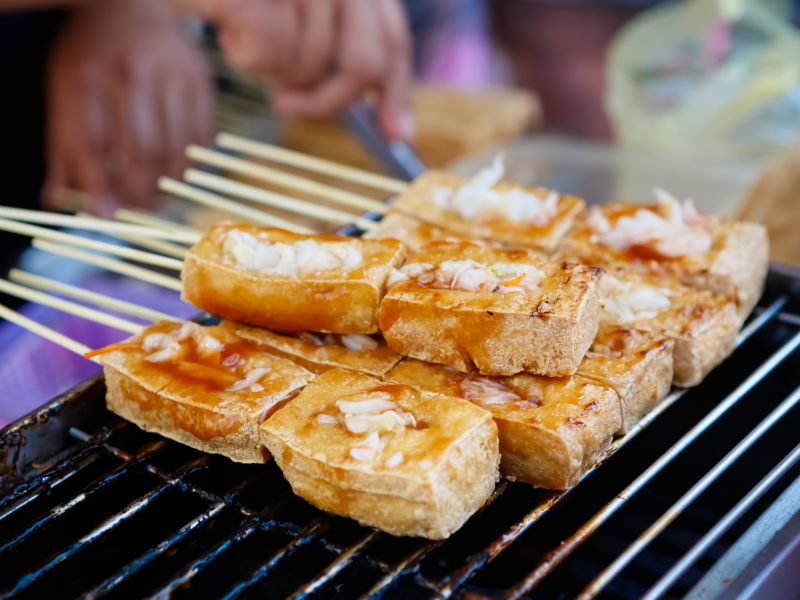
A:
<point x="165" y="248"/>
<point x="95" y="224"/>
<point x="159" y="246"/>
<point x="45" y="332"/>
<point x="188" y="192"/>
<point x="51" y="285"/>
<point x="111" y="264"/>
<point x="254" y="194"/>
<point x="287" y="180"/>
<point x="309" y="163"/>
<point x="76" y="240"/>
<point x="137" y="218"/>
<point x="20" y="291"/>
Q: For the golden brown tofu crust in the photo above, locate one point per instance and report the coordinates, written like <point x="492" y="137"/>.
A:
<point x="546" y="332"/>
<point x="450" y="464"/>
<point x="549" y="439"/>
<point x="155" y="398"/>
<point x="638" y="365"/>
<point x="416" y="202"/>
<point x="337" y="302"/>
<point x="702" y="324"/>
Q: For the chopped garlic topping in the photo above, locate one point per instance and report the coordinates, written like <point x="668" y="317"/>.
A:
<point x="680" y="232"/>
<point x="324" y="419"/>
<point x="477" y="199"/>
<point x="375" y="414"/>
<point x="487" y="392"/>
<point x="358" y="342"/>
<point x="372" y="403"/>
<point x="395" y="276"/>
<point x="243" y="251"/>
<point x="366" y="449"/>
<point x="395" y="460"/>
<point x="626" y="301"/>
<point x="468" y="275"/>
<point x="250" y="381"/>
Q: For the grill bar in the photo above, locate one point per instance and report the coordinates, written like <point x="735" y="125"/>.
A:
<point x="318" y="526"/>
<point x="58" y="473"/>
<point x="98" y="532"/>
<point x="671" y="576"/>
<point x="412" y="561"/>
<point x="690" y="496"/>
<point x="335" y="567"/>
<point x="137" y="565"/>
<point x="248" y="528"/>
<point x="555" y="557"/>
<point x="97" y="487"/>
<point x="140" y="563"/>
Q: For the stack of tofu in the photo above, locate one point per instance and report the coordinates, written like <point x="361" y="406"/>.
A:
<point x="483" y="327"/>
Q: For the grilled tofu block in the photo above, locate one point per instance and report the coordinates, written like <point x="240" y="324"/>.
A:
<point x="703" y="324"/>
<point x="201" y="386"/>
<point x="413" y="232"/>
<point x="483" y="207"/>
<point x="390" y="456"/>
<point x="500" y="311"/>
<point x="320" y="352"/>
<point x="288" y="281"/>
<point x="551" y="429"/>
<point x="635" y="364"/>
<point x="669" y="238"/>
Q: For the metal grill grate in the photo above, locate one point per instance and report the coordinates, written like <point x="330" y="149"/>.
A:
<point x="96" y="507"/>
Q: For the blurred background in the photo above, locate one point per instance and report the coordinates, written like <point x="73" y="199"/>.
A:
<point x="605" y="99"/>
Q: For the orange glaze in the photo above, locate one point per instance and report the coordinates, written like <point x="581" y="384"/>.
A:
<point x="205" y="370"/>
<point x="111" y="348"/>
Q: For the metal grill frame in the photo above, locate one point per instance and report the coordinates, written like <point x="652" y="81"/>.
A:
<point x="18" y="438"/>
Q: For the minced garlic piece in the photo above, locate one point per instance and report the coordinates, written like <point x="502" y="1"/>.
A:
<point x="487" y="392"/>
<point x="471" y="276"/>
<point x="244" y="251"/>
<point x="626" y="301"/>
<point x="681" y="230"/>
<point x="476" y="199"/>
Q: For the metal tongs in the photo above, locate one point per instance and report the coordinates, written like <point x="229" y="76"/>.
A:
<point x="397" y="159"/>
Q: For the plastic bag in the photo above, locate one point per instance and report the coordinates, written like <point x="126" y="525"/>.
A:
<point x="711" y="79"/>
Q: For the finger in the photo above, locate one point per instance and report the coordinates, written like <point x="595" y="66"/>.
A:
<point x="315" y="54"/>
<point x="176" y="123"/>
<point x="394" y="105"/>
<point x="260" y="38"/>
<point x="137" y="138"/>
<point x="55" y="182"/>
<point x="202" y="108"/>
<point x="83" y="144"/>
<point x="359" y="62"/>
<point x="326" y="100"/>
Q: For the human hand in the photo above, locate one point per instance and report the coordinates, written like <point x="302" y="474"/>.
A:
<point x="322" y="55"/>
<point x="126" y="92"/>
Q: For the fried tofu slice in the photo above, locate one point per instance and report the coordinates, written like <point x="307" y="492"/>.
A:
<point x="201" y="386"/>
<point x="391" y="456"/>
<point x="552" y="430"/>
<point x="500" y="311"/>
<point x="670" y="238"/>
<point x="413" y="232"/>
<point x="486" y="208"/>
<point x="288" y="281"/>
<point x="320" y="352"/>
<point x="702" y="324"/>
<point x="634" y="363"/>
